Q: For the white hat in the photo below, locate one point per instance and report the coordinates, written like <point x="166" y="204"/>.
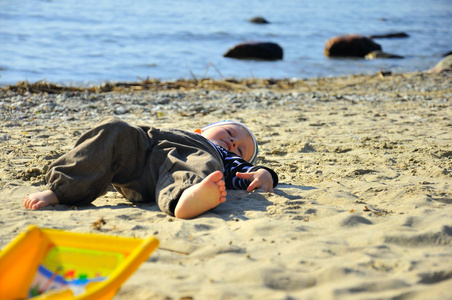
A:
<point x="226" y="122"/>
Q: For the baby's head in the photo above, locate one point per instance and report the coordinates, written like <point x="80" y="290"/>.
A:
<point x="234" y="137"/>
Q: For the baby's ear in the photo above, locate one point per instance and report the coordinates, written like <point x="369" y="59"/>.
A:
<point x="199" y="131"/>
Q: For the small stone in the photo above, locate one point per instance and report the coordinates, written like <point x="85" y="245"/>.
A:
<point x="121" y="110"/>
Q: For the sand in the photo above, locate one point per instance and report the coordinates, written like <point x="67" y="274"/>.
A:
<point x="363" y="209"/>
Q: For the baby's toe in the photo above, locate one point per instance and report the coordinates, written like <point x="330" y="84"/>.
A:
<point x="37" y="205"/>
<point x="27" y="202"/>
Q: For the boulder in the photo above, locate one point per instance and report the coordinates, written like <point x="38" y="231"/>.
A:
<point x="258" y="20"/>
<point x="381" y="54"/>
<point x="443" y="65"/>
<point x="256" y="50"/>
<point x="350" y="46"/>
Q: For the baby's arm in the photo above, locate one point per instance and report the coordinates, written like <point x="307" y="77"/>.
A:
<point x="241" y="175"/>
<point x="261" y="178"/>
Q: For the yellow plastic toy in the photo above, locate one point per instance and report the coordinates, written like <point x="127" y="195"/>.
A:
<point x="54" y="264"/>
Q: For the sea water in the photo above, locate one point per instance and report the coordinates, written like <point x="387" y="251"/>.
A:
<point x="88" y="42"/>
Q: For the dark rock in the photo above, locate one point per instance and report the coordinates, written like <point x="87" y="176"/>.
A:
<point x="381" y="54"/>
<point x="384" y="73"/>
<point x="350" y="46"/>
<point x="389" y="35"/>
<point x="258" y="20"/>
<point x="256" y="50"/>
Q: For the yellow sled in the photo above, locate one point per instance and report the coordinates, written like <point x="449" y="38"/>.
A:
<point x="54" y="264"/>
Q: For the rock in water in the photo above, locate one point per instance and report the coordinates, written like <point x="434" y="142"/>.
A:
<point x="381" y="54"/>
<point x="256" y="50"/>
<point x="443" y="65"/>
<point x="258" y="20"/>
<point x="350" y="46"/>
<point x="389" y="35"/>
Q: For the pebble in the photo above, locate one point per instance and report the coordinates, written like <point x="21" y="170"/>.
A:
<point x="120" y="110"/>
<point x="69" y="106"/>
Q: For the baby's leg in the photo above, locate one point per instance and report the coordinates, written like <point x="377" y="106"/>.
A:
<point x="201" y="197"/>
<point x="111" y="152"/>
<point x="40" y="199"/>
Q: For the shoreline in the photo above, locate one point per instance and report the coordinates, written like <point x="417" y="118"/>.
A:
<point x="225" y="84"/>
<point x="362" y="210"/>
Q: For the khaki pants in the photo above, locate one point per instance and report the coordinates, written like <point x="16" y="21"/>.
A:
<point x="142" y="163"/>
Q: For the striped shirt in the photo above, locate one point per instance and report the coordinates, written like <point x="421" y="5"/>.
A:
<point x="234" y="163"/>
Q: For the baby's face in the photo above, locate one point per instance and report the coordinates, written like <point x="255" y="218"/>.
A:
<point x="233" y="138"/>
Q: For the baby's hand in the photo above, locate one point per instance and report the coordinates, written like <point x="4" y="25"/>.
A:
<point x="259" y="179"/>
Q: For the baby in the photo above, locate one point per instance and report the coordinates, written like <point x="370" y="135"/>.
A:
<point x="186" y="173"/>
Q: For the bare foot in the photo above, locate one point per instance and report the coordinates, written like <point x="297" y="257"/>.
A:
<point x="40" y="199"/>
<point x="201" y="197"/>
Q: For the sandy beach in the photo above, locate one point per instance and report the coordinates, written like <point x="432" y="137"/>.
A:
<point x="363" y="209"/>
